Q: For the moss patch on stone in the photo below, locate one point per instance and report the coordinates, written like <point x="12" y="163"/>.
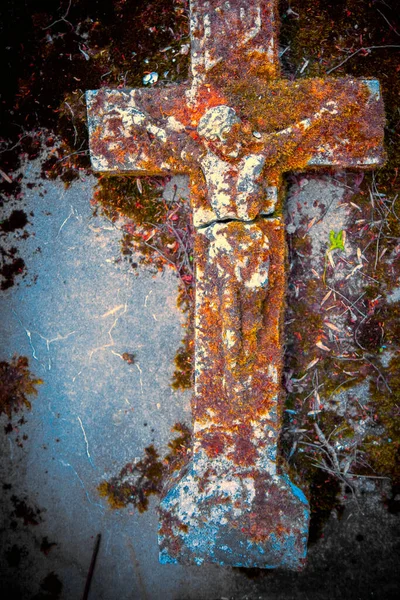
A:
<point x="17" y="383"/>
<point x="137" y="481"/>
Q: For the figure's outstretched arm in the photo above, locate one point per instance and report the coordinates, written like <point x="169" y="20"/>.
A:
<point x="140" y="131"/>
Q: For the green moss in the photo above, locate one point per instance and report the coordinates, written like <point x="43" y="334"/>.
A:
<point x="383" y="451"/>
<point x="177" y="457"/>
<point x="135" y="482"/>
<point x="183" y="376"/>
<point x="335" y="381"/>
<point x="306" y="322"/>
<point x="384" y="456"/>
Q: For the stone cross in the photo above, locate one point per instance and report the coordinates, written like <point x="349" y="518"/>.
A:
<point x="235" y="128"/>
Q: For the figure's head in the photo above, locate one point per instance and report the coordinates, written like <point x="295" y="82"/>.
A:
<point x="216" y="125"/>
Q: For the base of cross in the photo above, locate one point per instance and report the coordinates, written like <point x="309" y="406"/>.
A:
<point x="252" y="520"/>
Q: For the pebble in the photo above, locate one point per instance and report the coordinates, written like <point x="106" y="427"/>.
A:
<point x="150" y="78"/>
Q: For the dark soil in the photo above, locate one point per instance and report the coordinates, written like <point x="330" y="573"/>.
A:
<point x="17" y="220"/>
<point x="22" y="510"/>
<point x="51" y="52"/>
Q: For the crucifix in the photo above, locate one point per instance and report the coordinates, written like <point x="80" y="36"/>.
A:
<point x="234" y="129"/>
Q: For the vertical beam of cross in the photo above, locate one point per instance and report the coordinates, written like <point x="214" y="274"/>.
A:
<point x="217" y="28"/>
<point x="235" y="129"/>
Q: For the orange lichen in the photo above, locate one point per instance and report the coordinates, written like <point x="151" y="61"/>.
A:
<point x="298" y="121"/>
<point x="263" y="348"/>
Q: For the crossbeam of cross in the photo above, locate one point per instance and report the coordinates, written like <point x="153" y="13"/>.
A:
<point x="235" y="128"/>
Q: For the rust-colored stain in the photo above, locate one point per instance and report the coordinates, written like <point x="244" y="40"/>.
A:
<point x="235" y="128"/>
<point x="257" y="318"/>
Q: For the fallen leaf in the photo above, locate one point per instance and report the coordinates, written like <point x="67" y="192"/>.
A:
<point x="311" y="223"/>
<point x="312" y="364"/>
<point x="354" y="270"/>
<point x="322" y="347"/>
<point x="332" y="326"/>
<point x="152" y="233"/>
<point x="5" y="176"/>
<point x="325" y="298"/>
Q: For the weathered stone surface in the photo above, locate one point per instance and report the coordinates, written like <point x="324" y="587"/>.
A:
<point x="336" y="122"/>
<point x="239" y="36"/>
<point x="235" y="129"/>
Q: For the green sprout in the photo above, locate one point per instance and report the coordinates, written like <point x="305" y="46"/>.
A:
<point x="336" y="241"/>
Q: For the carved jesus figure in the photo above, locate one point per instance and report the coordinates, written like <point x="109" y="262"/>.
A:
<point x="233" y="192"/>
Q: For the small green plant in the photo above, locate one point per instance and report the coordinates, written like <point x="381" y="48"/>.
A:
<point x="336" y="241"/>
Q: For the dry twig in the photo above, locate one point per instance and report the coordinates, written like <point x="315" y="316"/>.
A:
<point x="365" y="49"/>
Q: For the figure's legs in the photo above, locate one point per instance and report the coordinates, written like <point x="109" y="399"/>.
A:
<point x="239" y="253"/>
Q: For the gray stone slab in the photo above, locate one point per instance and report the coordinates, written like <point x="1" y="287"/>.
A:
<point x="85" y="309"/>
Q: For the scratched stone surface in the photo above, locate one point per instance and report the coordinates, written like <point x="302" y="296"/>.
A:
<point x="235" y="128"/>
<point x="56" y="470"/>
<point x="76" y="313"/>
